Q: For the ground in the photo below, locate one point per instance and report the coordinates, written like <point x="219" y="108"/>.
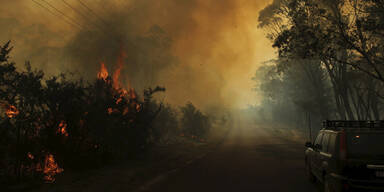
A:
<point x="250" y="158"/>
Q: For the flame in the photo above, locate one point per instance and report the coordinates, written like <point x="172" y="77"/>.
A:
<point x="11" y="111"/>
<point x="116" y="74"/>
<point x="110" y="110"/>
<point x="126" y="110"/>
<point x="138" y="107"/>
<point x="51" y="168"/>
<point x="62" y="129"/>
<point x="131" y="93"/>
<point x="30" y="156"/>
<point x="103" y="73"/>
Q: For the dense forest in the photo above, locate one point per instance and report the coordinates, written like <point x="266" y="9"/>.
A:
<point x="329" y="65"/>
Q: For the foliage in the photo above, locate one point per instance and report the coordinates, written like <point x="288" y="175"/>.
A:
<point x="165" y="126"/>
<point x="288" y="94"/>
<point x="194" y="123"/>
<point x="77" y="124"/>
<point x="344" y="39"/>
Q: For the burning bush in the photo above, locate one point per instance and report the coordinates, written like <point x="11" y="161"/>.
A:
<point x="50" y="124"/>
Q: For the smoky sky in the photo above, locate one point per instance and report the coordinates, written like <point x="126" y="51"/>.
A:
<point x="203" y="51"/>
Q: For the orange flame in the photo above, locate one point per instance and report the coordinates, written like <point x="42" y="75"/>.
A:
<point x="103" y="73"/>
<point x="30" y="156"/>
<point x="51" y="168"/>
<point x="11" y="111"/>
<point x="62" y="129"/>
<point x="131" y="94"/>
<point x="116" y="74"/>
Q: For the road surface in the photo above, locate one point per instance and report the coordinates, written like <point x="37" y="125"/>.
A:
<point x="250" y="159"/>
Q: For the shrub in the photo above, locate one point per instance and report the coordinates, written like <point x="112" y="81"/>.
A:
<point x="194" y="123"/>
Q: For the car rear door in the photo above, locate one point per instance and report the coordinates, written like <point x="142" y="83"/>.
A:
<point x="325" y="155"/>
<point x="315" y="161"/>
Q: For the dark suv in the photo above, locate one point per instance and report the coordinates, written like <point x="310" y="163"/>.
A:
<point x="347" y="156"/>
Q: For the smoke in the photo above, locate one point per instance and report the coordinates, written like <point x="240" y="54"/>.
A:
<point x="203" y="51"/>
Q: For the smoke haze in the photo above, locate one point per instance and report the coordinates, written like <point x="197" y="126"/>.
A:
<point x="203" y="51"/>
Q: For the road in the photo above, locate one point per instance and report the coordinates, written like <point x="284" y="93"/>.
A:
<point x="250" y="159"/>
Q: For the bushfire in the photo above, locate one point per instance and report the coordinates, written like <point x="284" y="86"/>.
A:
<point x="11" y="111"/>
<point x="62" y="130"/>
<point x="129" y="93"/>
<point x="103" y="73"/>
<point x="51" y="168"/>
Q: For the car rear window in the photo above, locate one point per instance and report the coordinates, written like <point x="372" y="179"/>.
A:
<point x="365" y="144"/>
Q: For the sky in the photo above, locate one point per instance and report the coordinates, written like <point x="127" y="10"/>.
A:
<point x="202" y="51"/>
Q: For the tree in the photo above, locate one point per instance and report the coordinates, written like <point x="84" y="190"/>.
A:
<point x="344" y="36"/>
<point x="194" y="122"/>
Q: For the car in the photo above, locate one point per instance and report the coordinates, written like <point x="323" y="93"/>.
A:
<point x="347" y="156"/>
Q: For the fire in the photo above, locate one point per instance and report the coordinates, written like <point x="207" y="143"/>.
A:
<point x="126" y="110"/>
<point x="138" y="107"/>
<point x="51" y="168"/>
<point x="11" y="111"/>
<point x="30" y="156"/>
<point x="116" y="74"/>
<point x="130" y="92"/>
<point x="103" y="73"/>
<point x="62" y="129"/>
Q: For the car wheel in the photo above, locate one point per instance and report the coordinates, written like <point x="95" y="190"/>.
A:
<point x="309" y="173"/>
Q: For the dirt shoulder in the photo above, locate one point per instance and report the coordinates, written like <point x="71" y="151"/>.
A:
<point x="133" y="175"/>
<point x="129" y="175"/>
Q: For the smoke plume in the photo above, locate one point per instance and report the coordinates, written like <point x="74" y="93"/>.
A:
<point x="203" y="51"/>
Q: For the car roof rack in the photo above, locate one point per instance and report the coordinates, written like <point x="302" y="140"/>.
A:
<point x="339" y="124"/>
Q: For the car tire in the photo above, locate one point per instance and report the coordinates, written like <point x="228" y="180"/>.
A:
<point x="309" y="173"/>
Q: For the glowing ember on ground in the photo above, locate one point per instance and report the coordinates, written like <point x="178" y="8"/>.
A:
<point x="126" y="110"/>
<point x="11" y="111"/>
<point x="138" y="107"/>
<point x="62" y="129"/>
<point x="51" y="168"/>
<point x="30" y="156"/>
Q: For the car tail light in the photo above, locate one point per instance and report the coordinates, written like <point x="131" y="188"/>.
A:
<point x="343" y="146"/>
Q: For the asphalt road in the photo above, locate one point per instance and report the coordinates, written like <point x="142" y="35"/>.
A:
<point x="250" y="159"/>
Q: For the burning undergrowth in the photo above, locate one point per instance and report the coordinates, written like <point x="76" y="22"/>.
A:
<point x="50" y="125"/>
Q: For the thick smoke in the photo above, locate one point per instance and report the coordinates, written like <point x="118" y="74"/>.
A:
<point x="203" y="51"/>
